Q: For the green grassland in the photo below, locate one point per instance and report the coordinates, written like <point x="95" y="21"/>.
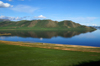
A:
<point x="14" y="55"/>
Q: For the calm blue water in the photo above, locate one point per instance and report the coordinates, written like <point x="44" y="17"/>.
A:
<point x="71" y="38"/>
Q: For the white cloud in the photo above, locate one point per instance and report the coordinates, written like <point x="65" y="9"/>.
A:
<point x="24" y="8"/>
<point x="13" y="18"/>
<point x="5" y="5"/>
<point x="41" y="16"/>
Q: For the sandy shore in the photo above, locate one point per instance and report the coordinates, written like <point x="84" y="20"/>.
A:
<point x="55" y="46"/>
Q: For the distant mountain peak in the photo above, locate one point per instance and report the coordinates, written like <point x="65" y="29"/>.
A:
<point x="1" y="20"/>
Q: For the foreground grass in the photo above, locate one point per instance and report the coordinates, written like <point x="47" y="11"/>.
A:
<point x="14" y="55"/>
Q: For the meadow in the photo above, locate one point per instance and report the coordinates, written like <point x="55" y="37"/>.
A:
<point x="28" y="54"/>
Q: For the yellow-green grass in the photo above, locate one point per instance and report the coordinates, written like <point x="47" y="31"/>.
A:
<point x="56" y="46"/>
<point x="42" y="54"/>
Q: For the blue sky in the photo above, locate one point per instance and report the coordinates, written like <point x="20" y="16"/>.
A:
<point x="86" y="12"/>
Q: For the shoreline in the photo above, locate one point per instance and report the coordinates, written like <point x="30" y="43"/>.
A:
<point x="48" y="29"/>
<point x="55" y="46"/>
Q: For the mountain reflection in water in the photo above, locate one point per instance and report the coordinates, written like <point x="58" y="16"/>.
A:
<point x="82" y="37"/>
<point x="44" y="34"/>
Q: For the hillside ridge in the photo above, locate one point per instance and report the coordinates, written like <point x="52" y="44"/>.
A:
<point x="40" y="24"/>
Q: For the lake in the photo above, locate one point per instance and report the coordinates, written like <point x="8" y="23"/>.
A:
<point x="86" y="38"/>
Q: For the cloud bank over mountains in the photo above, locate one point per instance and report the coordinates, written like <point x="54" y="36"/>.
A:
<point x="21" y="18"/>
<point x="12" y="18"/>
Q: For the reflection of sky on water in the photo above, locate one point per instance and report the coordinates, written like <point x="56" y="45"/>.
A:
<point x="2" y="37"/>
<point x="88" y="39"/>
<point x="88" y="35"/>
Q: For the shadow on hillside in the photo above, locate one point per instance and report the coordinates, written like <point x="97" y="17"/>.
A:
<point x="90" y="63"/>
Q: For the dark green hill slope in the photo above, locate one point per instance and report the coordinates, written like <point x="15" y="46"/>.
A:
<point x="41" y="24"/>
<point x="68" y="24"/>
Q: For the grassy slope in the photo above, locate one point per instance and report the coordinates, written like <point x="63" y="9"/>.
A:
<point x="11" y="55"/>
<point x="42" y="25"/>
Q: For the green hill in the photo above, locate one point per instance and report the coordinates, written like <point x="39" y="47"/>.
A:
<point x="41" y="24"/>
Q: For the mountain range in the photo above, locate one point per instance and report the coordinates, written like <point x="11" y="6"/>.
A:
<point x="1" y="20"/>
<point x="41" y="24"/>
